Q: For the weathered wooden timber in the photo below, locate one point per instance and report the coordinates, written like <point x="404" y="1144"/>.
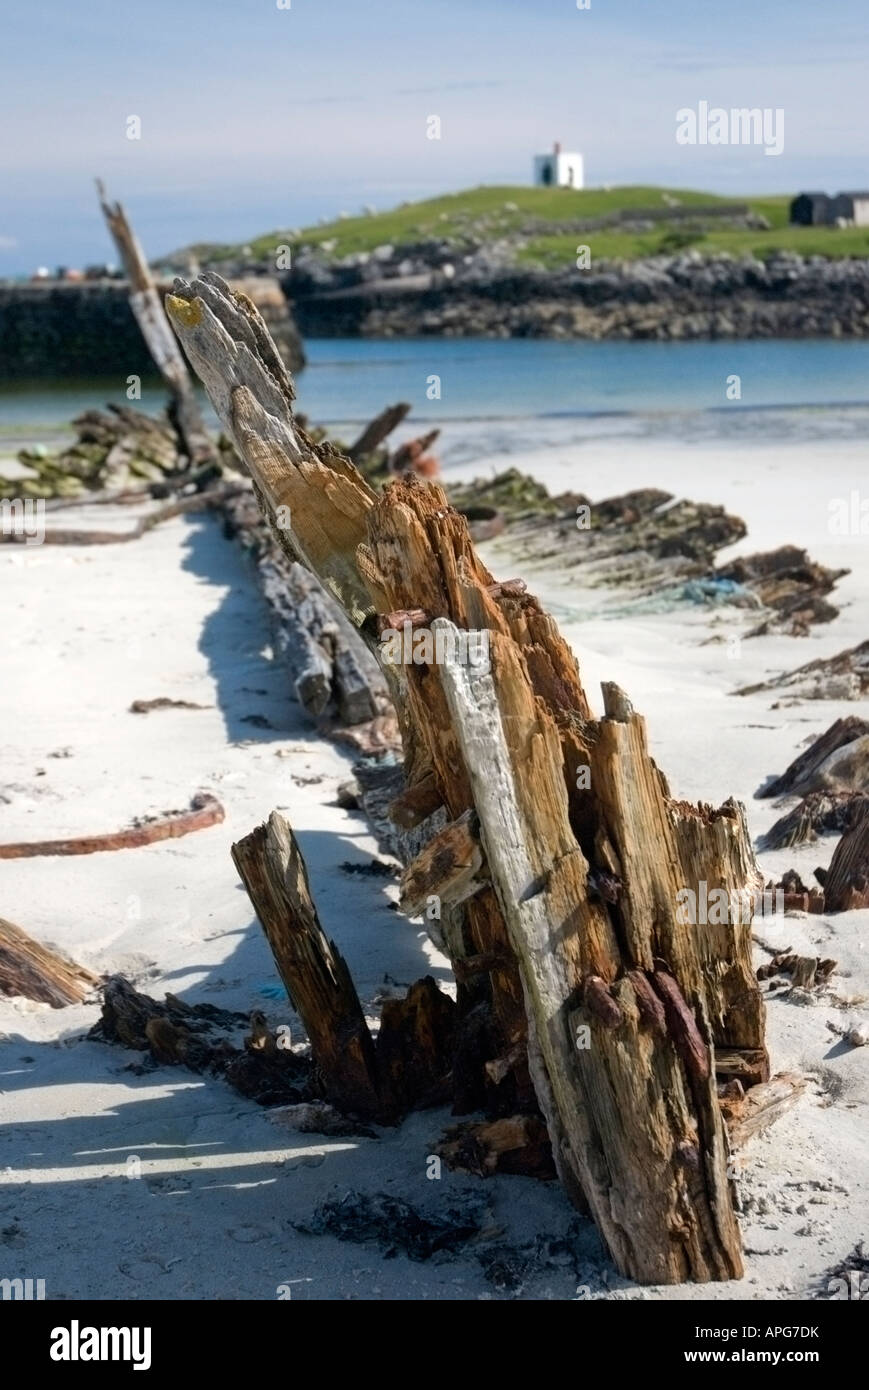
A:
<point x="32" y="970"/>
<point x="584" y="876"/>
<point x="147" y="306"/>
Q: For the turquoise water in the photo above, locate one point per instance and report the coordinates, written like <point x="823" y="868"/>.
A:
<point x="525" y="377"/>
<point x="526" y="387"/>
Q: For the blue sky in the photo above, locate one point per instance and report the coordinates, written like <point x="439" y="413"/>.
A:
<point x="256" y="118"/>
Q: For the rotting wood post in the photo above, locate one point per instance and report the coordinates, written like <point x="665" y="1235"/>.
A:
<point x="446" y="869"/>
<point x="580" y="934"/>
<point x="410" y="1062"/>
<point x="377" y="430"/>
<point x="631" y="1107"/>
<point x="674" y="856"/>
<point x="150" y="315"/>
<point x="323" y="497"/>
<point x="313" y="971"/>
<point x="319" y="506"/>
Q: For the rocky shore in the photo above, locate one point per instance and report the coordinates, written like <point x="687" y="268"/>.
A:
<point x="57" y="330"/>
<point x="414" y="291"/>
<point x="51" y="330"/>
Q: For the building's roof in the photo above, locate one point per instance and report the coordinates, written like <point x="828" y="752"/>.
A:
<point x="853" y="195"/>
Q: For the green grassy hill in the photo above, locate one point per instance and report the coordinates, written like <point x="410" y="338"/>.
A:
<point x="530" y="217"/>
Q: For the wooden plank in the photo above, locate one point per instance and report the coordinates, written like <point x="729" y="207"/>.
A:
<point x="32" y="970"/>
<point x="762" y="1106"/>
<point x="847" y="883"/>
<point x="749" y="1065"/>
<point x="636" y="1127"/>
<point x="416" y="803"/>
<point x="448" y="867"/>
<point x="151" y="317"/>
<point x="336" y="677"/>
<point x="314" y="972"/>
<point x="806" y="773"/>
<point x="314" y="497"/>
<point x="377" y="430"/>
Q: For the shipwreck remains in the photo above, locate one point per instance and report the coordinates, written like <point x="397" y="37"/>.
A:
<point x="546" y="837"/>
<point x="148" y="310"/>
<point x="37" y="972"/>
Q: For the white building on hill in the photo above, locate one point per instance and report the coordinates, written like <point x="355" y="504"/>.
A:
<point x="558" y="170"/>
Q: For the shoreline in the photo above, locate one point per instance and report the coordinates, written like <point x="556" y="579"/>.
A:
<point x="499" y="396"/>
<point x="62" y="328"/>
<point x="172" y="916"/>
<point x="688" y="296"/>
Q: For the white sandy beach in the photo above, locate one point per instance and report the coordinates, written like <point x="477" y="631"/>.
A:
<point x="87" y="631"/>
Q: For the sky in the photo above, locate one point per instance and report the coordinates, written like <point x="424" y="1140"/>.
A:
<point x="255" y="117"/>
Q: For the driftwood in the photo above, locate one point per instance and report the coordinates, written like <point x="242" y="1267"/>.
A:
<point x="805" y="972"/>
<point x="32" y="970"/>
<point x="844" y="676"/>
<point x="819" y="813"/>
<point x="748" y="1113"/>
<point x="585" y="874"/>
<point x="205" y="810"/>
<point x="410" y="1062"/>
<point x="514" y="1144"/>
<point x="335" y="677"/>
<point x="204" y="1039"/>
<point x="791" y="585"/>
<point x="314" y="973"/>
<point x="837" y="761"/>
<point x="115" y="451"/>
<point x="147" y="306"/>
<point x="641" y="543"/>
<point x="199" y="502"/>
<point x="846" y="885"/>
<point x="647" y="550"/>
<point x="162" y="485"/>
<point x="377" y="430"/>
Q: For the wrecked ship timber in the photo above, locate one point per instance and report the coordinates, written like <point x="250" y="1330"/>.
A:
<point x="561" y="900"/>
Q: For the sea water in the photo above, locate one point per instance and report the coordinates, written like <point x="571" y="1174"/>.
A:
<point x="504" y="396"/>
